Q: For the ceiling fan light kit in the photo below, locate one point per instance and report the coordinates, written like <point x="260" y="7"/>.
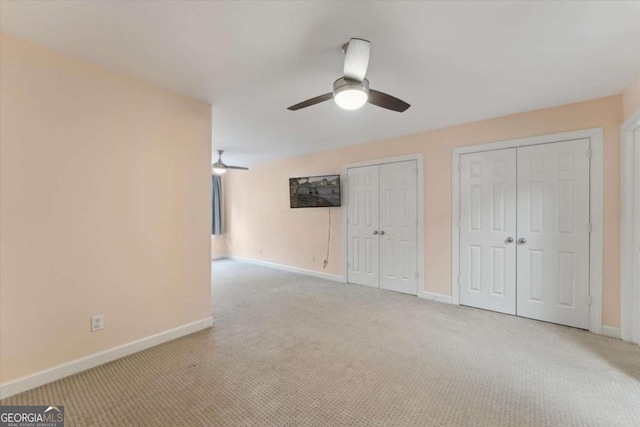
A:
<point x="350" y="94"/>
<point x="352" y="90"/>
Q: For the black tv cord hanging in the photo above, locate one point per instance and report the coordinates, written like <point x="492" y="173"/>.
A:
<point x="326" y="260"/>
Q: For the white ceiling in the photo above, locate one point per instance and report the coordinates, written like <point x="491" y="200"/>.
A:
<point x="454" y="62"/>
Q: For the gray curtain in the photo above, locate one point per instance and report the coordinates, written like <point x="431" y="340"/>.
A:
<point x="217" y="224"/>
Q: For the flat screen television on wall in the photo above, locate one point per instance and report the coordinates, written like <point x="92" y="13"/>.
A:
<point x="314" y="191"/>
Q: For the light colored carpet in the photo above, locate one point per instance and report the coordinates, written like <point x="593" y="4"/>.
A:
<point x="291" y="350"/>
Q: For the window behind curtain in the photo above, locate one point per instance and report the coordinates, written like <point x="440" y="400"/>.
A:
<point x="217" y="225"/>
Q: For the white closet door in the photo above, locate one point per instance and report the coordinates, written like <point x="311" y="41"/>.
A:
<point x="488" y="230"/>
<point x="553" y="232"/>
<point x="399" y="227"/>
<point x="363" y="203"/>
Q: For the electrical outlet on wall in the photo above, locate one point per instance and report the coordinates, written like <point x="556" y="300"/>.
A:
<point x="97" y="322"/>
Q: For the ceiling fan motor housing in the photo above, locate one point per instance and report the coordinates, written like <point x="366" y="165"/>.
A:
<point x="343" y="84"/>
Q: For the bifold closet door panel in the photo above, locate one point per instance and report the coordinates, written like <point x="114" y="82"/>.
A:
<point x="363" y="254"/>
<point x="399" y="227"/>
<point x="488" y="230"/>
<point x="553" y="233"/>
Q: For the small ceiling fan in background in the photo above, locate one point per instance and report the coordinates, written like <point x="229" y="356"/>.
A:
<point x="352" y="90"/>
<point x="220" y="168"/>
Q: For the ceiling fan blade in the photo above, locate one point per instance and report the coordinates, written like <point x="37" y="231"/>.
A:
<point x="312" y="101"/>
<point x="389" y="102"/>
<point x="356" y="59"/>
<point x="242" y="168"/>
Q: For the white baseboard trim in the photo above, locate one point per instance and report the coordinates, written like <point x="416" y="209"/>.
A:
<point x="333" y="277"/>
<point x="82" y="364"/>
<point x="435" y="297"/>
<point x="610" y="331"/>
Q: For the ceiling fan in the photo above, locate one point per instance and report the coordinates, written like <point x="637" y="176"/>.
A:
<point x="352" y="90"/>
<point x="219" y="168"/>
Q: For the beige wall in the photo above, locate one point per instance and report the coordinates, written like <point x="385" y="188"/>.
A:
<point x="631" y="99"/>
<point x="218" y="246"/>
<point x="262" y="226"/>
<point x="105" y="208"/>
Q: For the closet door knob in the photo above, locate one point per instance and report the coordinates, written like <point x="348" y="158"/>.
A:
<point x="382" y="232"/>
<point x="375" y="231"/>
<point x="509" y="239"/>
<point x="522" y="240"/>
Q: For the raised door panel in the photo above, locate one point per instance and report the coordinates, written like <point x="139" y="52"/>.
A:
<point x="487" y="221"/>
<point x="553" y="221"/>
<point x="362" y="218"/>
<point x="398" y="227"/>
